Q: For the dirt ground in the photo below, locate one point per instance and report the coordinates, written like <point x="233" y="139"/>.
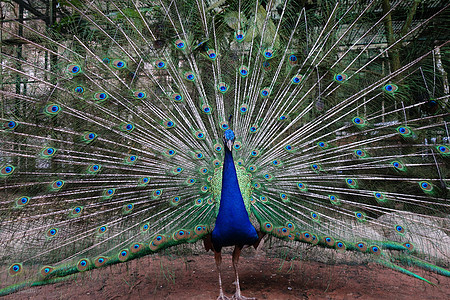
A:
<point x="195" y="277"/>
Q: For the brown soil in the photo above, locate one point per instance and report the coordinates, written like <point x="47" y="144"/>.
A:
<point x="195" y="277"/>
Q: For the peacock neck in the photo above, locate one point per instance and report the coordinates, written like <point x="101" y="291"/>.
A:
<point x="231" y="196"/>
<point x="233" y="226"/>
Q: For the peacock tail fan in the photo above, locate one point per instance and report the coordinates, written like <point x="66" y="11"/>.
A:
<point x="112" y="123"/>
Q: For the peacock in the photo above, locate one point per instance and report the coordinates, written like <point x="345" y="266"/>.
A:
<point x="128" y="127"/>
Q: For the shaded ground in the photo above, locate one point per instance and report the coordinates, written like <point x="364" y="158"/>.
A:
<point x="195" y="277"/>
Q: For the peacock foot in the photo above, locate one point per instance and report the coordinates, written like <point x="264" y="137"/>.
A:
<point x="240" y="297"/>
<point x="223" y="297"/>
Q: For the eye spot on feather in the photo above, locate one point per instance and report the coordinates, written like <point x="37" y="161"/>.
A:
<point x="52" y="110"/>
<point x="268" y="177"/>
<point x="390" y="88"/>
<point x="351" y="182"/>
<point x="340" y="246"/>
<point x="268" y="53"/>
<point x="329" y="241"/>
<point x="89" y="137"/>
<point x="100" y="261"/>
<point x="175" y="200"/>
<point x="143" y="181"/>
<point x="200" y="230"/>
<point x="9" y="125"/>
<point x="100" y="97"/>
<point x="159" y="64"/>
<point x="178" y="98"/>
<point x="425" y="186"/>
<point x="315" y="216"/>
<point x="443" y="149"/>
<point x="108" y="193"/>
<point x="361" y="246"/>
<point x="45" y="271"/>
<point x="302" y="186"/>
<point x="15" y="269"/>
<point x="22" y="201"/>
<point x="284" y="197"/>
<point x="145" y="227"/>
<point x="119" y="64"/>
<point x="334" y="200"/>
<point x="239" y="35"/>
<point x="375" y="250"/>
<point x="102" y="229"/>
<point x="52" y="232"/>
<point x="128" y="208"/>
<point x="77" y="211"/>
<point x="322" y="145"/>
<point x="360" y="153"/>
<point x="408" y="246"/>
<point x="360" y="216"/>
<point x="83" y="265"/>
<point x="265" y="92"/>
<point x="56" y="185"/>
<point x="136" y="248"/>
<point x="157" y="193"/>
<point x="380" y="197"/>
<point x="169" y="124"/>
<point x="307" y="237"/>
<point x="131" y="159"/>
<point x="211" y="54"/>
<point x="177" y="170"/>
<point x="243" y="109"/>
<point x="6" y="170"/>
<point x="78" y="90"/>
<point x="340" y="77"/>
<point x="255" y="153"/>
<point x="399" y="229"/>
<point x="405" y="131"/>
<point x="316" y="167"/>
<point x="222" y="87"/>
<point x="359" y="122"/>
<point x="224" y="125"/>
<point x="123" y="255"/>
<point x="74" y="69"/>
<point x="296" y="79"/>
<point x="189" y="76"/>
<point x="243" y="71"/>
<point x="180" y="44"/>
<point x="397" y="165"/>
<point x="267" y="227"/>
<point x="253" y="129"/>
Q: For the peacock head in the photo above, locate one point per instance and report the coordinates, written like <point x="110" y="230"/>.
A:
<point x="228" y="138"/>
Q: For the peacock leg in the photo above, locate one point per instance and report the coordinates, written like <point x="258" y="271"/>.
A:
<point x="218" y="258"/>
<point x="235" y="259"/>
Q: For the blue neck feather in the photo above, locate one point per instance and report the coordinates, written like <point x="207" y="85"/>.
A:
<point x="233" y="226"/>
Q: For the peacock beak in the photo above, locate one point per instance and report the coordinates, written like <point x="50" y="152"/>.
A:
<point x="230" y="144"/>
